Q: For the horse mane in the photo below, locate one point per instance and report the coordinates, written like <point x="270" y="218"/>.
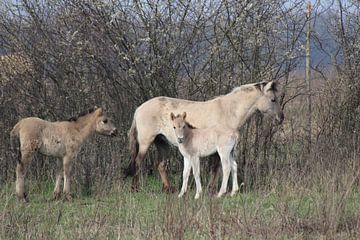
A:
<point x="254" y="86"/>
<point x="244" y="88"/>
<point x="189" y="125"/>
<point x="75" y="118"/>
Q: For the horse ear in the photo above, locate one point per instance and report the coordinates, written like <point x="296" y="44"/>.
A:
<point x="271" y="86"/>
<point x="275" y="86"/>
<point x="99" y="111"/>
<point x="184" y="115"/>
<point x="172" y="116"/>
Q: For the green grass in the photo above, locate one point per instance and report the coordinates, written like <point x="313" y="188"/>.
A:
<point x="282" y="212"/>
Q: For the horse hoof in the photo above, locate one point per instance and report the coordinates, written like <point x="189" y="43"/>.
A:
<point x="22" y="198"/>
<point x="67" y="198"/>
<point x="233" y="194"/>
<point x="212" y="191"/>
<point x="134" y="188"/>
<point x="56" y="196"/>
<point x="169" y="189"/>
<point x="219" y="195"/>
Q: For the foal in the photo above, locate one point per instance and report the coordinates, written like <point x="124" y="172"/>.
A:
<point x="195" y="143"/>
<point x="58" y="139"/>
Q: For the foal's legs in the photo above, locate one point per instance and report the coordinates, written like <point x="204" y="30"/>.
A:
<point x="20" y="174"/>
<point x="59" y="175"/>
<point x="143" y="147"/>
<point x="196" y="171"/>
<point x="235" y="186"/>
<point x="186" y="173"/>
<point x="67" y="164"/>
<point x="226" y="166"/>
<point x="28" y="149"/>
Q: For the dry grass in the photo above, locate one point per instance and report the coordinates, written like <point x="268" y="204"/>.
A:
<point x="289" y="207"/>
<point x="288" y="194"/>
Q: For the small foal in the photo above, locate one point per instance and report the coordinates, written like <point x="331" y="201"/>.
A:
<point x="62" y="139"/>
<point x="195" y="143"/>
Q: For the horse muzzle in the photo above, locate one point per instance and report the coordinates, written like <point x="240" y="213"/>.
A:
<point x="114" y="133"/>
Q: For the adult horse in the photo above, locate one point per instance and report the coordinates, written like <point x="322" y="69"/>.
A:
<point x="151" y="122"/>
<point x="61" y="139"/>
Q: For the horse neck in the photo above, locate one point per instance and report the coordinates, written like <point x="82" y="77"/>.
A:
<point x="195" y="135"/>
<point x="189" y="135"/>
<point x="86" y="126"/>
<point x="242" y="105"/>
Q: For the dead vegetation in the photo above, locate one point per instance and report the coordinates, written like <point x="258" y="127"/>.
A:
<point x="61" y="57"/>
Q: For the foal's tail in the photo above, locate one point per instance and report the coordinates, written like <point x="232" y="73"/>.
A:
<point x="15" y="142"/>
<point x="130" y="170"/>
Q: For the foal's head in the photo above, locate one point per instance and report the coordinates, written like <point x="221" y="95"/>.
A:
<point x="180" y="126"/>
<point x="104" y="126"/>
<point x="268" y="103"/>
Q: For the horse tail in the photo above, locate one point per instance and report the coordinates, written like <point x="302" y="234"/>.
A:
<point x="15" y="142"/>
<point x="130" y="170"/>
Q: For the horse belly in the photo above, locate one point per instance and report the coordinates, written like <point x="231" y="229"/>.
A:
<point x="53" y="147"/>
<point x="207" y="150"/>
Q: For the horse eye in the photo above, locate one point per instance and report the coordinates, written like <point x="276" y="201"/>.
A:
<point x="184" y="126"/>
<point x="105" y="121"/>
<point x="174" y="127"/>
<point x="273" y="100"/>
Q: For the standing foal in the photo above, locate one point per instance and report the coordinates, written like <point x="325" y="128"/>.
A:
<point x="58" y="139"/>
<point x="195" y="143"/>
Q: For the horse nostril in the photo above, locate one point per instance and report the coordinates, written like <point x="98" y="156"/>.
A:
<point x="114" y="132"/>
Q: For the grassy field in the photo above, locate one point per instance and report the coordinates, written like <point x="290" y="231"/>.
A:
<point x="279" y="211"/>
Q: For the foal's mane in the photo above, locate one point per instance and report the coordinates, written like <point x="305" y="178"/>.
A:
<point x="75" y="118"/>
<point x="189" y="125"/>
<point x="186" y="122"/>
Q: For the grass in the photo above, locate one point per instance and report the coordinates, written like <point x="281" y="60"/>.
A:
<point x="282" y="211"/>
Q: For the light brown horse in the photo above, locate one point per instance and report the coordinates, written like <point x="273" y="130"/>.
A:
<point x="195" y="143"/>
<point x="58" y="139"/>
<point x="151" y="122"/>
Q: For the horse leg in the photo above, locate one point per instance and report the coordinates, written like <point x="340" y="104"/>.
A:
<point x="21" y="169"/>
<point x="162" y="151"/>
<point x="214" y="166"/>
<point x="196" y="171"/>
<point x="67" y="165"/>
<point x="59" y="175"/>
<point x="235" y="186"/>
<point x="186" y="173"/>
<point x="225" y="162"/>
<point x="139" y="159"/>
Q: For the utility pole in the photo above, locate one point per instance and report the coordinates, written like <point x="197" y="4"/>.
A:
<point x="308" y="72"/>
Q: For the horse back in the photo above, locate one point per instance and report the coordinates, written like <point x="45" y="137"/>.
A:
<point x="37" y="132"/>
<point x="31" y="126"/>
<point x="153" y="116"/>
